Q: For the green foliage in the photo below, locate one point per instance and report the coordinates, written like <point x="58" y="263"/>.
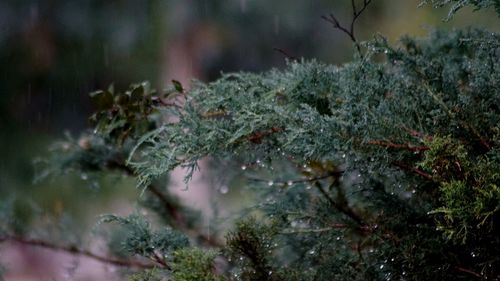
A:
<point x="192" y="264"/>
<point x="469" y="189"/>
<point x="459" y="4"/>
<point x="147" y="275"/>
<point x="141" y="240"/>
<point x="249" y="246"/>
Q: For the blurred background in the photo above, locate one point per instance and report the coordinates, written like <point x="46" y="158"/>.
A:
<point x="54" y="52"/>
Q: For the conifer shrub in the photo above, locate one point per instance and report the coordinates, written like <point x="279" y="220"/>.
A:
<point x="384" y="168"/>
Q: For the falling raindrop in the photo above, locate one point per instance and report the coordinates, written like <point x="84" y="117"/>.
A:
<point x="338" y="238"/>
<point x="381" y="266"/>
<point x="84" y="176"/>
<point x="243" y="6"/>
<point x="270" y="183"/>
<point x="343" y="155"/>
<point x="312" y="252"/>
<point x="276" y="24"/>
<point x="224" y="189"/>
<point x="243" y="167"/>
<point x="289" y="183"/>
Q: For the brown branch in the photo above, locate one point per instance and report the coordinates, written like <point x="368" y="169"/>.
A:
<point x="409" y="168"/>
<point x="355" y="15"/>
<point x="469" y="271"/>
<point x="159" y="100"/>
<point x="156" y="258"/>
<point x="258" y="136"/>
<point x="346" y="211"/>
<point x="77" y="251"/>
<point x="406" y="146"/>
<point x="178" y="219"/>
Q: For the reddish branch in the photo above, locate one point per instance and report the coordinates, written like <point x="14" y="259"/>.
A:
<point x="258" y="136"/>
<point x="406" y="146"/>
<point x="77" y="251"/>
<point x="413" y="170"/>
<point x="469" y="272"/>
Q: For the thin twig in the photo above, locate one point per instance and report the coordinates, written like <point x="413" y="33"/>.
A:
<point x="285" y="53"/>
<point x="355" y="15"/>
<point x="77" y="251"/>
